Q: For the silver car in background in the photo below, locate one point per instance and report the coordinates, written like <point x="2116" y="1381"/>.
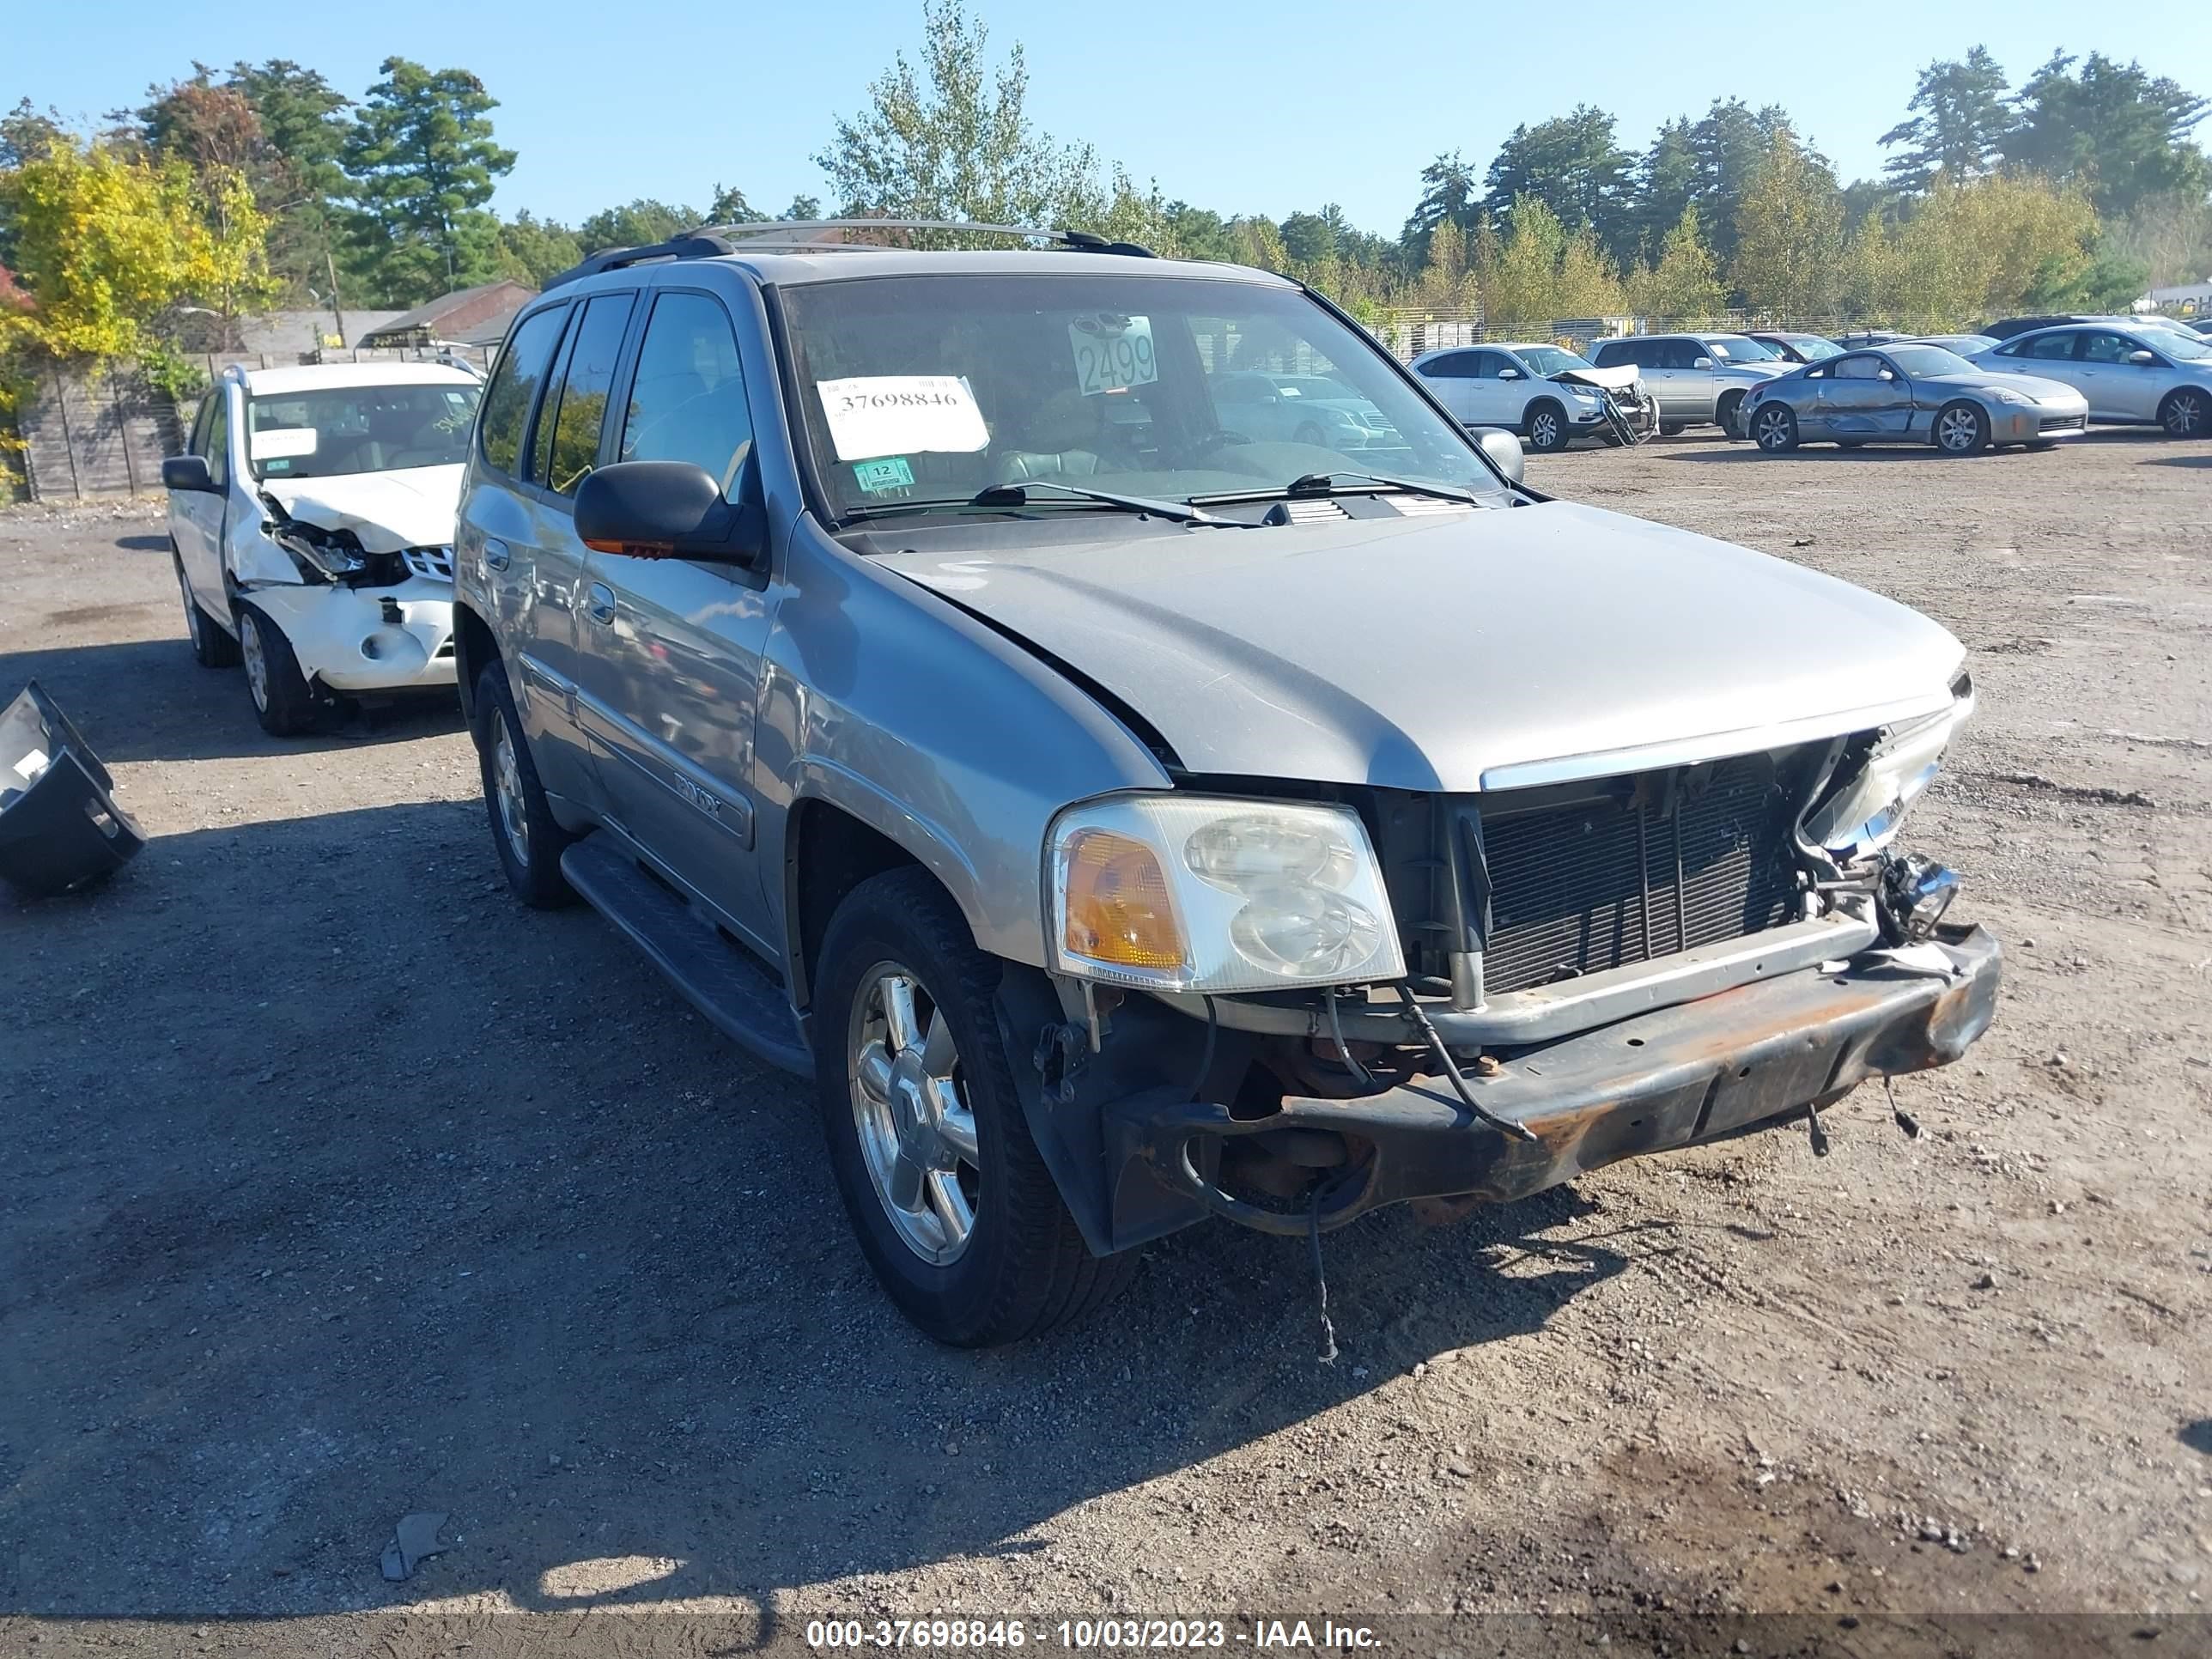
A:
<point x="2129" y="376"/>
<point x="1696" y="380"/>
<point x="1912" y="393"/>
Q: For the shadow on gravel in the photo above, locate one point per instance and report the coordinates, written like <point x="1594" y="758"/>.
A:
<point x="342" y="1187"/>
<point x="146" y="699"/>
<point x="2197" y="1436"/>
<point x="2178" y="461"/>
<point x="143" y="544"/>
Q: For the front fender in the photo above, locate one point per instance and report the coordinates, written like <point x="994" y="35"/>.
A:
<point x="939" y="732"/>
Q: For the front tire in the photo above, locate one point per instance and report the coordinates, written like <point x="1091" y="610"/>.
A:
<point x="522" y="831"/>
<point x="283" y="700"/>
<point x="1774" y="429"/>
<point x="2186" y="413"/>
<point x="1673" y="429"/>
<point x="1961" y="429"/>
<point x="211" y="646"/>
<point x="950" y="1198"/>
<point x="1546" y="424"/>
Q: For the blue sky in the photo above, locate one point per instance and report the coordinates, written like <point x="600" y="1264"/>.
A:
<point x="1243" y="105"/>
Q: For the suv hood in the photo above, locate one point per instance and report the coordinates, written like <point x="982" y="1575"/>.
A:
<point x="413" y="506"/>
<point x="1462" y="650"/>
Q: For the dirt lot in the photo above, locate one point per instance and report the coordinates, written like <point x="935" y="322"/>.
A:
<point x="334" y="1186"/>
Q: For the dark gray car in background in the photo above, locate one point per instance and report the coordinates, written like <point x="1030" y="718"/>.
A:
<point x="1129" y="816"/>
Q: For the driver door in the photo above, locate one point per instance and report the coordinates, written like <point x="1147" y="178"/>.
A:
<point x="669" y="658"/>
<point x="1864" y="397"/>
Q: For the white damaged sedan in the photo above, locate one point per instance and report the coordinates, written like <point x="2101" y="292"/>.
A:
<point x="312" y="519"/>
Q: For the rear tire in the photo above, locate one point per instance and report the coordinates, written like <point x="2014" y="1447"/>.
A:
<point x="2186" y="413"/>
<point x="1728" y="411"/>
<point x="1672" y="428"/>
<point x="522" y="831"/>
<point x="1546" y="425"/>
<point x="1961" y="429"/>
<point x="1010" y="1263"/>
<point x="212" y="647"/>
<point x="285" y="702"/>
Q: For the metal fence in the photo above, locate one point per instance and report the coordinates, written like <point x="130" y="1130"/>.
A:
<point x="1408" y="333"/>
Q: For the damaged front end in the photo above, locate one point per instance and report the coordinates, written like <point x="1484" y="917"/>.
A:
<point x="362" y="609"/>
<point x="1588" y="970"/>
<point x="1631" y="413"/>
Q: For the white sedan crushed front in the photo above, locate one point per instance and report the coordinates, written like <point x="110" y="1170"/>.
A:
<point x="312" y="518"/>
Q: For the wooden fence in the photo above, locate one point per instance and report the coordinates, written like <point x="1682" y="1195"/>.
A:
<point x="91" y="433"/>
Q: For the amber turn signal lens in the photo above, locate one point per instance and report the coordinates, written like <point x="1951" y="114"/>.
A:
<point x="1118" y="908"/>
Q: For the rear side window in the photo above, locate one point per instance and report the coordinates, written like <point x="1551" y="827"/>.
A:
<point x="1455" y="365"/>
<point x="687" y="402"/>
<point x="1612" y="354"/>
<point x="566" y="445"/>
<point x="514" y="385"/>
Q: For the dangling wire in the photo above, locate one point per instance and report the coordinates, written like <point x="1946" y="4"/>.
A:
<point x="1327" y="1354"/>
<point x="1504" y="1126"/>
<point x="1344" y="1050"/>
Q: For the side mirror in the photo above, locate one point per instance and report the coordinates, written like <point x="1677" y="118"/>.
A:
<point x="1885" y="374"/>
<point x="1508" y="373"/>
<point x="1702" y="362"/>
<point x="2144" y="359"/>
<point x="1504" y="449"/>
<point x="187" y="472"/>
<point x="667" y="510"/>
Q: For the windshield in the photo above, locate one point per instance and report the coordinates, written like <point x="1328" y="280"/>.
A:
<point x="924" y="391"/>
<point x="1740" y="349"/>
<point x="2187" y="346"/>
<point x="1925" y="362"/>
<point x="334" y="430"/>
<point x="1548" y="360"/>
<point x="1815" y="349"/>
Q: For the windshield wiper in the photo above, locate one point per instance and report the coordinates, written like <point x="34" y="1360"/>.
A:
<point x="1016" y="495"/>
<point x="1324" y="483"/>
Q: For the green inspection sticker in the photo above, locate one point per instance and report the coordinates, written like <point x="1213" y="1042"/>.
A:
<point x="878" y="477"/>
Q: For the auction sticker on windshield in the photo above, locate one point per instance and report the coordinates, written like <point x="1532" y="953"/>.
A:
<point x="874" y="414"/>
<point x="1112" y="352"/>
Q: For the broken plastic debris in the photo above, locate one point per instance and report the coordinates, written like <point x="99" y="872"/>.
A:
<point x="1926" y="958"/>
<point x="413" y="1539"/>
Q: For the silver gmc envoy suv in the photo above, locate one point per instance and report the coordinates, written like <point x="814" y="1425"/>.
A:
<point x="1127" y="818"/>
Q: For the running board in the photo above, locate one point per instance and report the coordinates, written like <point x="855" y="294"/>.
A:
<point x="719" y="978"/>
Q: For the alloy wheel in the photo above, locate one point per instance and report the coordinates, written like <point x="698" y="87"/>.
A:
<point x="507" y="778"/>
<point x="917" y="1131"/>
<point x="1773" y="428"/>
<point x="2184" y="416"/>
<point x="256" y="662"/>
<point x="1957" y="430"/>
<point x="1544" y="430"/>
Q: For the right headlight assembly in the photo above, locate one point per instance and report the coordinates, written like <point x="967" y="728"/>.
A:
<point x="1194" y="893"/>
<point x="1863" y="813"/>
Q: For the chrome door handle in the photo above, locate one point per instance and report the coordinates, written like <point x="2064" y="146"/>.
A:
<point x="496" y="556"/>
<point x="599" y="603"/>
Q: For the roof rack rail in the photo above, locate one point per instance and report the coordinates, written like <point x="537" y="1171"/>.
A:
<point x="826" y="235"/>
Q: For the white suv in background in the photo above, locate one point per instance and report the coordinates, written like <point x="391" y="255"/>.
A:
<point x="1697" y="379"/>
<point x="312" y="521"/>
<point x="1512" y="386"/>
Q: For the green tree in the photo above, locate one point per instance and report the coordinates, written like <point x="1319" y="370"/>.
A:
<point x="1729" y="145"/>
<point x="1544" y="272"/>
<point x="1573" y="166"/>
<point x="534" y="251"/>
<point x="421" y="164"/>
<point x="1664" y="186"/>
<point x="1308" y="238"/>
<point x="2111" y="128"/>
<point x="298" y="179"/>
<point x="1789" y="233"/>
<point x="951" y="138"/>
<point x="1196" y="233"/>
<point x="1684" y="283"/>
<point x="1959" y="124"/>
<point x="637" y="224"/>
<point x="1448" y="192"/>
<point x="109" y="242"/>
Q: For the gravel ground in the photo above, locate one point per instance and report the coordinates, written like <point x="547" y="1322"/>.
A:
<point x="337" y="1187"/>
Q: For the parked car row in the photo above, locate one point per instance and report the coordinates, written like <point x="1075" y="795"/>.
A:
<point x="1101" y="718"/>
<point x="1857" y="389"/>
